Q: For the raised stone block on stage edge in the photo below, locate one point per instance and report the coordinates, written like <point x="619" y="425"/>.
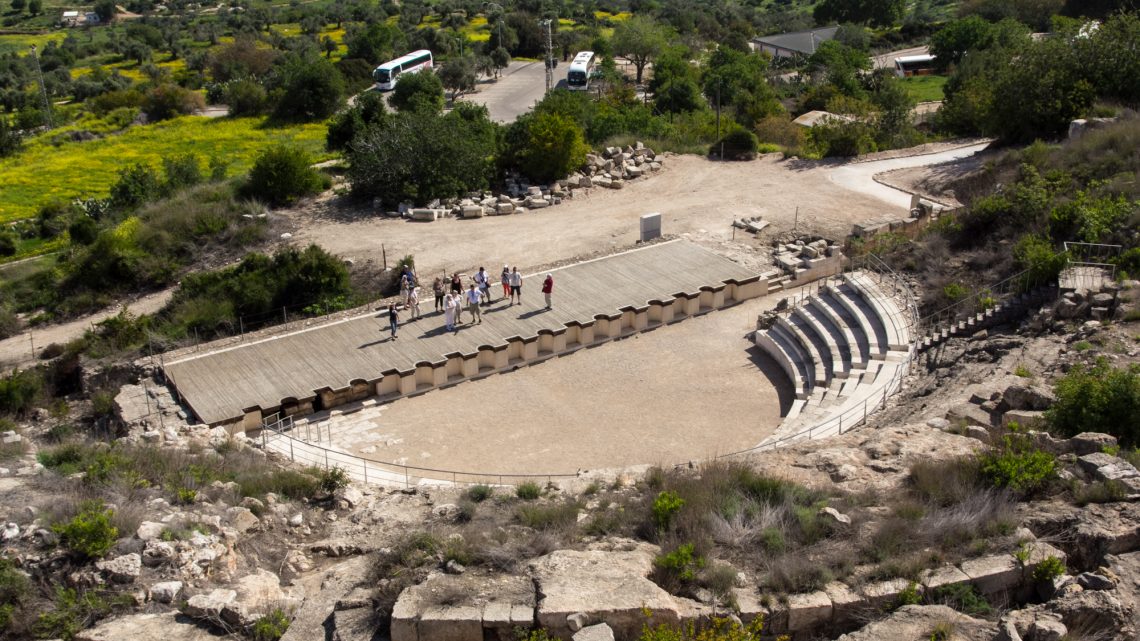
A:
<point x="473" y="211"/>
<point x="424" y="215"/>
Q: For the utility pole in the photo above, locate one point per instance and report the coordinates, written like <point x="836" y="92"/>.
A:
<point x="43" y="89"/>
<point x="549" y="55"/>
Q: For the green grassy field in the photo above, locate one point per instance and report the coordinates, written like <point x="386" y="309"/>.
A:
<point x="925" y="88"/>
<point x="43" y="172"/>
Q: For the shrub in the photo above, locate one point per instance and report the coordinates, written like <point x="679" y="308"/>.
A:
<point x="333" y="479"/>
<point x="14" y="591"/>
<point x="665" y="507"/>
<point x="20" y="390"/>
<point x="835" y="137"/>
<point x="308" y="88"/>
<point x="418" y="92"/>
<point x="1022" y="371"/>
<point x="719" y="629"/>
<point x="909" y="595"/>
<point x="963" y="597"/>
<point x="679" y="565"/>
<point x="1017" y="465"/>
<point x="528" y="491"/>
<point x="74" y="611"/>
<point x="137" y="184"/>
<point x="246" y="98"/>
<point x="270" y="627"/>
<point x="480" y="493"/>
<point x="281" y="175"/>
<point x="545" y="517"/>
<point x="1037" y="254"/>
<point x="169" y="100"/>
<point x="736" y="145"/>
<point x="90" y="533"/>
<point x="955" y="292"/>
<point x="547" y="146"/>
<point x="1098" y="399"/>
<point x="1048" y="569"/>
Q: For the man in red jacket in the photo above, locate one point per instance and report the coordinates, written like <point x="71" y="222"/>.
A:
<point x="548" y="288"/>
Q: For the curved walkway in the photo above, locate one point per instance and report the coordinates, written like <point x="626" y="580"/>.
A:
<point x="860" y="176"/>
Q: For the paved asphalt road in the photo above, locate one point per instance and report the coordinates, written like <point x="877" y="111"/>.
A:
<point x="516" y="90"/>
<point x="860" y="176"/>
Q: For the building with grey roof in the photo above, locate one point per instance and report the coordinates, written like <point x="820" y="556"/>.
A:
<point x="799" y="43"/>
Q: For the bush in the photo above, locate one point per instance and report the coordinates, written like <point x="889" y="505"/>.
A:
<point x="546" y="517"/>
<point x="169" y="100"/>
<point x="309" y="88"/>
<point x="665" y="507"/>
<point x="547" y="146"/>
<point x="719" y="629"/>
<point x="963" y="597"/>
<point x="1037" y="254"/>
<point x="246" y="98"/>
<point x="421" y="91"/>
<point x="90" y="533"/>
<point x="14" y="592"/>
<point x="528" y="491"/>
<point x="835" y="137"/>
<point x="20" y="390"/>
<point x="480" y="493"/>
<point x="1048" y="569"/>
<point x="282" y="174"/>
<point x="678" y="566"/>
<point x="7" y="243"/>
<point x="270" y="627"/>
<point x="137" y="184"/>
<point x="74" y="611"/>
<point x="1098" y="399"/>
<point x="333" y="479"/>
<point x="1017" y="465"/>
<point x="736" y="145"/>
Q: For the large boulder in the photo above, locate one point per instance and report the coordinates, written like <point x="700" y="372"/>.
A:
<point x="915" y="623"/>
<point x="168" y="626"/>
<point x="610" y="585"/>
<point x="1022" y="396"/>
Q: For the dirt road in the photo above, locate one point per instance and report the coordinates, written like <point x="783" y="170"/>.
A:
<point x="859" y="177"/>
<point x="16" y="351"/>
<point x="697" y="198"/>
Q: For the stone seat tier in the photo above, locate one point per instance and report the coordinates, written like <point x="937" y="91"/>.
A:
<point x="830" y="337"/>
<point x="856" y="336"/>
<point x="891" y="319"/>
<point x="818" y="359"/>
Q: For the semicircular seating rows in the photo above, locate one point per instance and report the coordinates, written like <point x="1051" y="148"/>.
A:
<point x="845" y="349"/>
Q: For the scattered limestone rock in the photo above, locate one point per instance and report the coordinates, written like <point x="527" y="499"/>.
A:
<point x="242" y="519"/>
<point x="599" y="632"/>
<point x="167" y="626"/>
<point x="916" y="622"/>
<point x="348" y="497"/>
<point x="122" y="569"/>
<point x="165" y="592"/>
<point x="835" y="516"/>
<point x="149" y="530"/>
<point x="209" y="606"/>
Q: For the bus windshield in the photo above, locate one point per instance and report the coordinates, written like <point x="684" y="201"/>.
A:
<point x="383" y="75"/>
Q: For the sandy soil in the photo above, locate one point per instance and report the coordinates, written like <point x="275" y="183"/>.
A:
<point x="698" y="198"/>
<point x="684" y="391"/>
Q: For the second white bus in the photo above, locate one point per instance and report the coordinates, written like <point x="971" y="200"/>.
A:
<point x="386" y="74"/>
<point x="581" y="69"/>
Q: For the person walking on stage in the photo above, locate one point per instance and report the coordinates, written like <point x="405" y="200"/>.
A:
<point x="437" y="289"/>
<point x="414" y="303"/>
<point x="457" y="294"/>
<point x="393" y="319"/>
<point x="473" y="296"/>
<point x="516" y="286"/>
<point x="484" y="285"/>
<point x="548" y="289"/>
<point x="449" y="306"/>
<point x="505" y="279"/>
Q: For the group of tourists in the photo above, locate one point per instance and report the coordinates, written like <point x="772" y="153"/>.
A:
<point x="452" y="300"/>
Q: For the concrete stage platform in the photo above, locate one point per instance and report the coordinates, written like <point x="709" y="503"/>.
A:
<point x="353" y="359"/>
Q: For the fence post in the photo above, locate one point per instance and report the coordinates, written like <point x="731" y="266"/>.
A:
<point x="407" y="483"/>
<point x="291" y="450"/>
<point x="326" y="460"/>
<point x="284" y="316"/>
<point x="365" y="461"/>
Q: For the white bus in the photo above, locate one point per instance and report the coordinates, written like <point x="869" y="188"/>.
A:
<point x="386" y="74"/>
<point x="581" y="69"/>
